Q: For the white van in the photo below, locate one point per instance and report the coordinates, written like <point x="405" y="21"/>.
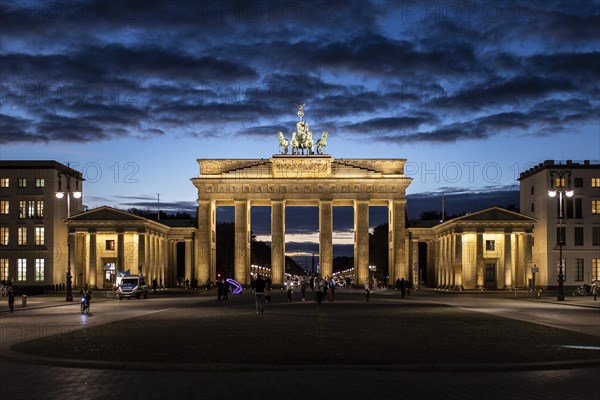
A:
<point x="132" y="286"/>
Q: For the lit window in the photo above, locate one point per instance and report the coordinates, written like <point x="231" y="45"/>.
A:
<point x="22" y="209"/>
<point x="559" y="182"/>
<point x="22" y="236"/>
<point x="595" y="269"/>
<point x="4" y="206"/>
<point x="39" y="209"/>
<point x="110" y="245"/>
<point x="22" y="269"/>
<point x="490" y="245"/>
<point x="40" y="182"/>
<point x="4" y="182"/>
<point x="595" y="182"/>
<point x="39" y="269"/>
<point x="39" y="235"/>
<point x="595" y="206"/>
<point x="3" y="268"/>
<point x="22" y="182"/>
<point x="31" y="209"/>
<point x="3" y="236"/>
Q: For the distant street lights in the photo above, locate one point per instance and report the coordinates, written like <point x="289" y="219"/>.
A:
<point x="77" y="195"/>
<point x="560" y="183"/>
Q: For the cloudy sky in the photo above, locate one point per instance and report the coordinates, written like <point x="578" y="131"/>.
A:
<point x="133" y="92"/>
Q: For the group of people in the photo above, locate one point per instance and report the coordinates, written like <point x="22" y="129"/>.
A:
<point x="7" y="290"/>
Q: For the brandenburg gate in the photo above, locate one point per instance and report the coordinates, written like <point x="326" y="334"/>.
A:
<point x="287" y="180"/>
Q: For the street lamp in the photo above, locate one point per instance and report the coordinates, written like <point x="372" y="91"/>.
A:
<point x="560" y="183"/>
<point x="77" y="195"/>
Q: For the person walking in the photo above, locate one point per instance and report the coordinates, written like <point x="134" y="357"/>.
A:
<point x="403" y="287"/>
<point x="331" y="286"/>
<point x="303" y="285"/>
<point x="225" y="289"/>
<point x="219" y="289"/>
<point x="11" y="298"/>
<point x="367" y="288"/>
<point x="595" y="289"/>
<point x="154" y="285"/>
<point x="259" y="293"/>
<point x="319" y="288"/>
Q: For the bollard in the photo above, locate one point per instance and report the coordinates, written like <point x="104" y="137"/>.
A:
<point x="24" y="300"/>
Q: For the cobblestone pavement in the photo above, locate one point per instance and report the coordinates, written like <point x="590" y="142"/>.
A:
<point x="369" y="375"/>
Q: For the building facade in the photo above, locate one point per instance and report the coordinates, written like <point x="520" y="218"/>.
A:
<point x="579" y="225"/>
<point x="33" y="233"/>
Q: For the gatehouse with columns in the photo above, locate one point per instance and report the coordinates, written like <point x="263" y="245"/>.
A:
<point x="297" y="180"/>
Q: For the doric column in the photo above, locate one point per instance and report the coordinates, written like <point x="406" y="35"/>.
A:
<point x="277" y="241"/>
<point x="479" y="262"/>
<point x="438" y="262"/>
<point x="507" y="260"/>
<point x="141" y="252"/>
<point x="529" y="255"/>
<point x="205" y="268"/>
<point x="326" y="237"/>
<point x="415" y="262"/>
<point x="121" y="251"/>
<point x="188" y="259"/>
<point x="458" y="267"/>
<point x="361" y="241"/>
<point x="242" y="242"/>
<point x="91" y="267"/>
<point x="396" y="241"/>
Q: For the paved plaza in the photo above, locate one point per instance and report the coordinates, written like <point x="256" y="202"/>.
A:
<point x="431" y="344"/>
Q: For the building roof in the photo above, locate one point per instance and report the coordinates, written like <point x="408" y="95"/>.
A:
<point x="106" y="213"/>
<point x="38" y="164"/>
<point x="551" y="164"/>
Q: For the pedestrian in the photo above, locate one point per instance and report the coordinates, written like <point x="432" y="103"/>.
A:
<point x="595" y="289"/>
<point x="219" y="289"/>
<point x="398" y="285"/>
<point x="208" y="284"/>
<point x="259" y="293"/>
<point x="303" y="285"/>
<point x="154" y="285"/>
<point x="289" y="285"/>
<point x="225" y="289"/>
<point x="367" y="288"/>
<point x="319" y="288"/>
<point x="331" y="286"/>
<point x="11" y="298"/>
<point x="195" y="284"/>
<point x="403" y="287"/>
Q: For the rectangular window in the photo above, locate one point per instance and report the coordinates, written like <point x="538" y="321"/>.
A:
<point x="595" y="182"/>
<point x="595" y="206"/>
<point x="22" y="269"/>
<point x="4" y="207"/>
<point x="110" y="245"/>
<point x="532" y="207"/>
<point x="22" y="209"/>
<point x="31" y="209"/>
<point x="39" y="209"/>
<point x="3" y="235"/>
<point x="4" y="182"/>
<point x="39" y="236"/>
<point x="40" y="182"/>
<point x="559" y="182"/>
<point x="578" y="182"/>
<point x="22" y="236"/>
<point x="595" y="269"/>
<point x="560" y="236"/>
<point x="596" y="236"/>
<point x="3" y="268"/>
<point x="39" y="269"/>
<point x="578" y="236"/>
<point x="490" y="245"/>
<point x="579" y="269"/>
<point x="578" y="208"/>
<point x="569" y="208"/>
<point x="532" y="190"/>
<point x="22" y="182"/>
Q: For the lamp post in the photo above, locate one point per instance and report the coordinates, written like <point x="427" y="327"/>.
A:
<point x="560" y="183"/>
<point x="77" y="195"/>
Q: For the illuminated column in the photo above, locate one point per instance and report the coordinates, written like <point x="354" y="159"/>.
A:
<point x="188" y="259"/>
<point x="242" y="242"/>
<point x="452" y="261"/>
<point x="415" y="262"/>
<point x="479" y="262"/>
<point x="142" y="254"/>
<point x="528" y="255"/>
<point x="458" y="267"/>
<point x="507" y="260"/>
<point x="396" y="240"/>
<point x="361" y="241"/>
<point x="277" y="241"/>
<point x="438" y="262"/>
<point x="326" y="237"/>
<point x="120" y="251"/>
<point x="91" y="267"/>
<point x="205" y="268"/>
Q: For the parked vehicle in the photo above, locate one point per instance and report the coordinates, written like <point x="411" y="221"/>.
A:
<point x="132" y="286"/>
